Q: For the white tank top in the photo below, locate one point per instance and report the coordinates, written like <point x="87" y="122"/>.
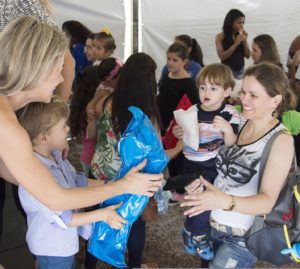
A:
<point x="238" y="172"/>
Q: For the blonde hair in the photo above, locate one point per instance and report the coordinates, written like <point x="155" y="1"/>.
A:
<point x="37" y="118"/>
<point x="218" y="74"/>
<point x="28" y="51"/>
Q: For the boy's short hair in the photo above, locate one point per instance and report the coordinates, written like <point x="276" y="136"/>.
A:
<point x="37" y="118"/>
<point x="218" y="74"/>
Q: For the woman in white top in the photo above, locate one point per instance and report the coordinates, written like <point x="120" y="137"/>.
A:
<point x="234" y="199"/>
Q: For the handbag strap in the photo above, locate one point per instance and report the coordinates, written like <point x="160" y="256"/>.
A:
<point x="265" y="155"/>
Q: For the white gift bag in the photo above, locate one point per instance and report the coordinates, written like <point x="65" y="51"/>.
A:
<point x="188" y="120"/>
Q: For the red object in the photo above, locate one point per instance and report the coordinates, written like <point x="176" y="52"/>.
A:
<point x="287" y="216"/>
<point x="169" y="140"/>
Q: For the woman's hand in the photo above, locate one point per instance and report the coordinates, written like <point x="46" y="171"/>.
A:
<point x="142" y="183"/>
<point x="111" y="217"/>
<point x="211" y="198"/>
<point x="178" y="131"/>
<point x="239" y="39"/>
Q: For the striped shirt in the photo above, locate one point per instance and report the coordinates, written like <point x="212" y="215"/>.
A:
<point x="211" y="138"/>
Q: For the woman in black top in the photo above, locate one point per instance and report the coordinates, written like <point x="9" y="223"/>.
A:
<point x="231" y="44"/>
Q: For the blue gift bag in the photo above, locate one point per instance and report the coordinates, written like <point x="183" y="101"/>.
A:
<point x="139" y="141"/>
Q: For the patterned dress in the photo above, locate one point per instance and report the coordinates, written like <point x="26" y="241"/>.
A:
<point x="106" y="160"/>
<point x="10" y="9"/>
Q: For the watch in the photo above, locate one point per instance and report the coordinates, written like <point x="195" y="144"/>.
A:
<point x="232" y="204"/>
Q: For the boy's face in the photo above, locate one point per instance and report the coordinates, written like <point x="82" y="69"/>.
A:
<point x="57" y="135"/>
<point x="212" y="96"/>
<point x="174" y="63"/>
<point x="100" y="52"/>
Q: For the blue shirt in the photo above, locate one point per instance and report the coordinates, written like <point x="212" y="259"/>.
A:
<point x="81" y="62"/>
<point x="48" y="233"/>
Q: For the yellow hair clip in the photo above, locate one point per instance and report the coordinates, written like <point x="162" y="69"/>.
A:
<point x="106" y="30"/>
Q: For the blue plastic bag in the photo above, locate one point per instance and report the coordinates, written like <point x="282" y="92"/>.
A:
<point x="139" y="141"/>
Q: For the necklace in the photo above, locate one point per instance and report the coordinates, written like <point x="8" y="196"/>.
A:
<point x="247" y="137"/>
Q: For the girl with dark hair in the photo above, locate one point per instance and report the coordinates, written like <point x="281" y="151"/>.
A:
<point x="175" y="84"/>
<point x="264" y="49"/>
<point x="231" y="43"/>
<point x="78" y="34"/>
<point x="104" y="45"/>
<point x="136" y="86"/>
<point x="195" y="57"/>
<point x="173" y="87"/>
<point x="195" y="51"/>
<point x="84" y="90"/>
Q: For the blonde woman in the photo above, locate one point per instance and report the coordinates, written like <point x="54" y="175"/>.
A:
<point x="40" y="9"/>
<point x="31" y="77"/>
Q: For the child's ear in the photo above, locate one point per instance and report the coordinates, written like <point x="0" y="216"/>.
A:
<point x="227" y="92"/>
<point x="107" y="53"/>
<point x="41" y="139"/>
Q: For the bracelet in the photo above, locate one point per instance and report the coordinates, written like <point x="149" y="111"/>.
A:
<point x="232" y="203"/>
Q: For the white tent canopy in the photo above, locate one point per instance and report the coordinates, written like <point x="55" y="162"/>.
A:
<point x="161" y="20"/>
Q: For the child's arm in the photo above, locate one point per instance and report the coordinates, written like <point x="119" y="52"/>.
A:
<point x="91" y="129"/>
<point x="92" y="104"/>
<point x="172" y="153"/>
<point x="108" y="215"/>
<point x="225" y="127"/>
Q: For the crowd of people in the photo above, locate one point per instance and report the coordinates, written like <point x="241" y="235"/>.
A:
<point x="221" y="203"/>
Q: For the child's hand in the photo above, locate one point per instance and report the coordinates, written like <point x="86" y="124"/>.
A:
<point x="178" y="131"/>
<point x="111" y="217"/>
<point x="195" y="187"/>
<point x="222" y="124"/>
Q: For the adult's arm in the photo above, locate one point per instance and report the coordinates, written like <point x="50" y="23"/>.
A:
<point x="27" y="170"/>
<point x="274" y="176"/>
<point x="245" y="44"/>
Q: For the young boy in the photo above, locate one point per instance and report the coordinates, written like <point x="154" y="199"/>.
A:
<point x="52" y="236"/>
<point x="218" y="125"/>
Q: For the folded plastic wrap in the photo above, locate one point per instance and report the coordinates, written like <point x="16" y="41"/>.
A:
<point x="188" y="120"/>
<point x="140" y="141"/>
